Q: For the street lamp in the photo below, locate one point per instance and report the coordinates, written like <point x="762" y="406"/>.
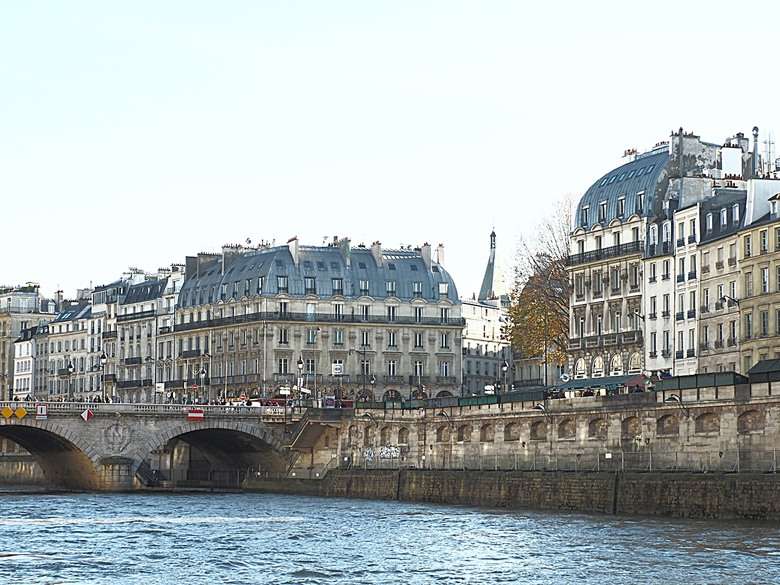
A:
<point x="299" y="364"/>
<point x="70" y="373"/>
<point x="373" y="383"/>
<point x="202" y="374"/>
<point x="676" y="398"/>
<point x="103" y="359"/>
<point x="731" y="300"/>
<point x="505" y="368"/>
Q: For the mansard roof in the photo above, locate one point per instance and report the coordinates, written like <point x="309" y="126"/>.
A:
<point x="322" y="263"/>
<point x="142" y="292"/>
<point x="647" y="172"/>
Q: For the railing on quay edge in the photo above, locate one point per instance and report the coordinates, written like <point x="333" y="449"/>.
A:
<point x="727" y="461"/>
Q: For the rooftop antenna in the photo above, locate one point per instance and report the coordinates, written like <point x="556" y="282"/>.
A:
<point x="769" y="150"/>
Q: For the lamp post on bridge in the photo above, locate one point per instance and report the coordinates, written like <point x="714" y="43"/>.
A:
<point x="102" y="361"/>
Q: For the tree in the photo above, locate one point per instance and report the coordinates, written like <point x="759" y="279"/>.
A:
<point x="539" y="302"/>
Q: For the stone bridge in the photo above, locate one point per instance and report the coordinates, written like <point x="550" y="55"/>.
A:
<point x="112" y="447"/>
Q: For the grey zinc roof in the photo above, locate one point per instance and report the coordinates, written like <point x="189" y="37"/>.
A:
<point x="323" y="263"/>
<point x="145" y="291"/>
<point x="643" y="173"/>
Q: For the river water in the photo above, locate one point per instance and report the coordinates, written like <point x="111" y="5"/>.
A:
<point x="189" y="539"/>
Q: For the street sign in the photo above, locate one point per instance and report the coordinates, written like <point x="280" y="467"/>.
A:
<point x="194" y="387"/>
<point x="87" y="415"/>
<point x="41" y="411"/>
<point x="337" y="369"/>
<point x="195" y="414"/>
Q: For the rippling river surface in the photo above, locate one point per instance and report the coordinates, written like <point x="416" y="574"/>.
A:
<point x="255" y="538"/>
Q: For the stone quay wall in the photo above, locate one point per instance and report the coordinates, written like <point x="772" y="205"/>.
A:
<point x="688" y="495"/>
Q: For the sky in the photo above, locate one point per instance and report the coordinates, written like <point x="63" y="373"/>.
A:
<point x="135" y="134"/>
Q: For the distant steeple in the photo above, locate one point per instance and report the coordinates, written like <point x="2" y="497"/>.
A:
<point x="493" y="284"/>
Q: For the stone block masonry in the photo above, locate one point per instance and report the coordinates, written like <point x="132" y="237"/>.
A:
<point x="682" y="495"/>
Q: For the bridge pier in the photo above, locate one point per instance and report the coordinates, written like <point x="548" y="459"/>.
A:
<point x="116" y="474"/>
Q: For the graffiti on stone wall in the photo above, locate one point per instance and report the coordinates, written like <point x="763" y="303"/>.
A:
<point x="389" y="452"/>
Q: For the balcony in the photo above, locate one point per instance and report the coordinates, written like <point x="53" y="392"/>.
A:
<point x="733" y="261"/>
<point x="605" y="253"/>
<point x="692" y="239"/>
<point x="681" y="278"/>
<point x="611" y="339"/>
<point x="136" y="316"/>
<point x="731" y="341"/>
<point x="679" y="316"/>
<point x="704" y="346"/>
<point x="678" y="355"/>
<point x="109" y="378"/>
<point x="719" y="265"/>
<point x="705" y="269"/>
<point x="653" y="315"/>
<point x="666" y="353"/>
<point x="690" y="353"/>
<point x="165" y="329"/>
<point x="691" y="314"/>
<point x="666" y="276"/>
<point x="665" y="313"/>
<point x="653" y="278"/>
<point x="680" y="242"/>
<point x="718" y="344"/>
<point x="575" y="343"/>
<point x="132" y="361"/>
<point x="718" y="305"/>
<point x="692" y="275"/>
<point x="190" y="353"/>
<point x="653" y="354"/>
<point x="109" y="334"/>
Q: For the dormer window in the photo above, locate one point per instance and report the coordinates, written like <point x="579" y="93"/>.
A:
<point x="584" y="216"/>
<point x="735" y="214"/>
<point x="602" y="211"/>
<point x="621" y="206"/>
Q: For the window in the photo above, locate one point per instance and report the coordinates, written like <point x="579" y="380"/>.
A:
<point x="764" y="323"/>
<point x="445" y="340"/>
<point x="764" y="280"/>
<point x="281" y="284"/>
<point x="602" y="211"/>
<point x="417" y="289"/>
<point x="621" y="206"/>
<point x="735" y="214"/>
<point x="283" y="366"/>
<point x="309" y="285"/>
<point x="390" y="288"/>
<point x="363" y="286"/>
<point x="283" y="336"/>
<point x="365" y="338"/>
<point x="392" y="368"/>
<point x="391" y="339"/>
<point x="584" y="216"/>
<point x="723" y="218"/>
<point x="444" y="315"/>
<point x="748" y="246"/>
<point x="640" y="202"/>
<point x="444" y="289"/>
<point x="338" y="312"/>
<point x="311" y="336"/>
<point x="418" y="340"/>
<point x="365" y="312"/>
<point x="749" y="326"/>
<point x="709" y="222"/>
<point x="391" y="314"/>
<point x="284" y="310"/>
<point x="337" y="285"/>
<point x="418" y="315"/>
<point x="764" y="239"/>
<point x="338" y="337"/>
<point x="748" y="284"/>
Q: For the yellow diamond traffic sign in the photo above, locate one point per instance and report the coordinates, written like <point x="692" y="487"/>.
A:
<point x="6" y="412"/>
<point x="20" y="412"/>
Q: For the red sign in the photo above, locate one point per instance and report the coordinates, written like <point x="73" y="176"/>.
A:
<point x="194" y="387"/>
<point x="87" y="414"/>
<point x="195" y="414"/>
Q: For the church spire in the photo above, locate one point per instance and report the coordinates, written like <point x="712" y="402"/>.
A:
<point x="493" y="284"/>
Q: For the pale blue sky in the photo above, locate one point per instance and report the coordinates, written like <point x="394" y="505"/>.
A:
<point x="137" y="133"/>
